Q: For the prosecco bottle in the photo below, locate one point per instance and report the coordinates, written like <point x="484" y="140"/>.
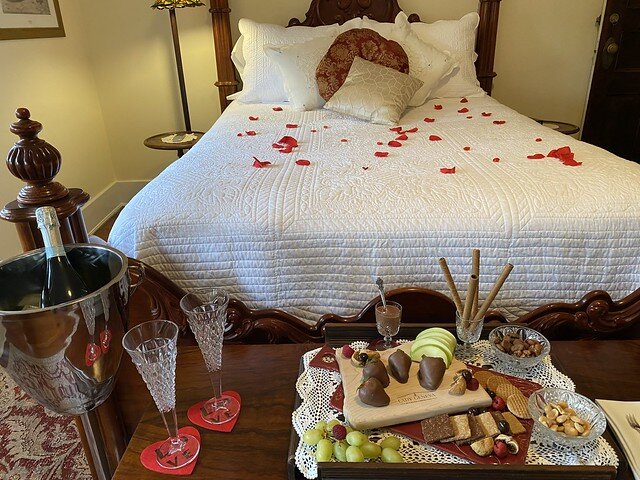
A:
<point x="62" y="283"/>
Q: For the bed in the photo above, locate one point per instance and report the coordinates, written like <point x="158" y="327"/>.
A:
<point x="312" y="238"/>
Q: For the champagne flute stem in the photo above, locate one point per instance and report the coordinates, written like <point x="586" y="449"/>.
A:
<point x="216" y="382"/>
<point x="387" y="341"/>
<point x="173" y="433"/>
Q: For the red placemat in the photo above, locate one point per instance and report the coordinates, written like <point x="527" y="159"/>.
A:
<point x="148" y="456"/>
<point x="195" y="416"/>
<point x="325" y="358"/>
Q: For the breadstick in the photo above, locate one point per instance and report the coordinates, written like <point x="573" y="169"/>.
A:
<point x="494" y="292"/>
<point x="475" y="269"/>
<point x="451" y="284"/>
<point x="473" y="286"/>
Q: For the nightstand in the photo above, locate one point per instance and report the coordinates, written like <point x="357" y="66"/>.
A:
<point x="562" y="127"/>
<point x="156" y="142"/>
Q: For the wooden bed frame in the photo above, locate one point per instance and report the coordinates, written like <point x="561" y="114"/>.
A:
<point x="326" y="12"/>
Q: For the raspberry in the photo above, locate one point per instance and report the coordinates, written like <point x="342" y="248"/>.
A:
<point x="339" y="432"/>
<point x="473" y="384"/>
<point x="347" y="351"/>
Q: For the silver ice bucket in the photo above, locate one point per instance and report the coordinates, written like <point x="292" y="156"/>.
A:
<point x="65" y="356"/>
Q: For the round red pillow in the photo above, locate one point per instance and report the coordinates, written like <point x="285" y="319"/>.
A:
<point x="359" y="42"/>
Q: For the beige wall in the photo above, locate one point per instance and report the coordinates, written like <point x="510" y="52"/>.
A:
<point x="53" y="79"/>
<point x="135" y="70"/>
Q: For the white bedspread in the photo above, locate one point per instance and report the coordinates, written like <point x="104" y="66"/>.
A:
<point x="312" y="239"/>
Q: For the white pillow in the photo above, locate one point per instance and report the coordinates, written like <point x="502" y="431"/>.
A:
<point x="261" y="77"/>
<point x="458" y="38"/>
<point x="298" y="65"/>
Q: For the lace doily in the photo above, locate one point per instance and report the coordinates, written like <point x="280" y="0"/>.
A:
<point x="315" y="387"/>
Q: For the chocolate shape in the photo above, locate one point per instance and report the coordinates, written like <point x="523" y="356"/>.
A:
<point x="431" y="372"/>
<point x="399" y="365"/>
<point x="371" y="392"/>
<point x="376" y="370"/>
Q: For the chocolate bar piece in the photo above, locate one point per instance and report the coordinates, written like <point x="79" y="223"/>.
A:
<point x="436" y="428"/>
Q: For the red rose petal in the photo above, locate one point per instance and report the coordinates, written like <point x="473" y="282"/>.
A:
<point x="313" y="130"/>
<point x="496" y="160"/>
<point x="470" y="117"/>
<point x="381" y="154"/>
<point x="536" y="156"/>
<point x="394" y="144"/>
<point x="463" y="110"/>
<point x="325" y="126"/>
<point x="402" y="137"/>
<point x="448" y="170"/>
<point x="396" y="129"/>
<point x="277" y="109"/>
<point x="559" y="152"/>
<point x="429" y="120"/>
<point x="380" y="143"/>
<point x="287" y="140"/>
<point x="291" y="125"/>
<point x="240" y="134"/>
<point x="365" y="168"/>
<point x="251" y="133"/>
<point x="434" y="138"/>
<point x="344" y="140"/>
<point x="286" y="149"/>
<point x="570" y="162"/>
<point x="486" y="114"/>
<point x="464" y="100"/>
<point x="253" y="119"/>
<point x="411" y="130"/>
<point x="466" y="149"/>
<point x="538" y="139"/>
<point x="258" y="164"/>
<point x="304" y="163"/>
<point x="499" y="122"/>
<point x="438" y="107"/>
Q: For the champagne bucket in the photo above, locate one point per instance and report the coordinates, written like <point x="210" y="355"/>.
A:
<point x="65" y="356"/>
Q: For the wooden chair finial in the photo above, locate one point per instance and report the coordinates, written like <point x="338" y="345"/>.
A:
<point x="34" y="161"/>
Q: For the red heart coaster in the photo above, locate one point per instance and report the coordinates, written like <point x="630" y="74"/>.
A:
<point x="148" y="456"/>
<point x="195" y="416"/>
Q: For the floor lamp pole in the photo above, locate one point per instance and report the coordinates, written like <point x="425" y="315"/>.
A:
<point x="183" y="88"/>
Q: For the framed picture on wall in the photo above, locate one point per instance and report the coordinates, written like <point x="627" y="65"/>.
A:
<point x="30" y="19"/>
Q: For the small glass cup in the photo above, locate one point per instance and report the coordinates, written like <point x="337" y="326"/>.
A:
<point x="468" y="332"/>
<point x="153" y="350"/>
<point x="206" y="311"/>
<point x="388" y="323"/>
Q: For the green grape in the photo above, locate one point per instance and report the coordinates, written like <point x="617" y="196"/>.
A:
<point x="390" y="442"/>
<point x="331" y="424"/>
<point x="371" y="450"/>
<point x="322" y="426"/>
<point x="389" y="455"/>
<point x="354" y="454"/>
<point x="324" y="450"/>
<point x="356" y="438"/>
<point x="312" y="437"/>
<point x="340" y="450"/>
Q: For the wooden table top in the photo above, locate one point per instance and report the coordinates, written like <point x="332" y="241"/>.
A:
<point x="265" y="377"/>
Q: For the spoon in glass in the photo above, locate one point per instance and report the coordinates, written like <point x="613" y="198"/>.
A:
<point x="380" y="284"/>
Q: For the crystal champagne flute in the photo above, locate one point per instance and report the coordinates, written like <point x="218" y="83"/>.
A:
<point x="153" y="350"/>
<point x="206" y="310"/>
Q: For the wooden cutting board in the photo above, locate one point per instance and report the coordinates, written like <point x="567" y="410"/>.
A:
<point x="409" y="401"/>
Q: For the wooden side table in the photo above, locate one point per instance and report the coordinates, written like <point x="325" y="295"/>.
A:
<point x="562" y="127"/>
<point x="156" y="142"/>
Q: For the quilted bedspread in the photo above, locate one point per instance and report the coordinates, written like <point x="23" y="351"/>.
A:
<point x="312" y="239"/>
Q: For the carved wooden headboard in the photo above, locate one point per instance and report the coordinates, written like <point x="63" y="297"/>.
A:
<point x="326" y="12"/>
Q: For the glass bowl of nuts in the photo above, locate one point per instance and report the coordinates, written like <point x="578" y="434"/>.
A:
<point x="565" y="417"/>
<point x="519" y="347"/>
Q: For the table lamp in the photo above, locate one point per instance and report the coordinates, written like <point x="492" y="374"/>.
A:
<point x="171" y="5"/>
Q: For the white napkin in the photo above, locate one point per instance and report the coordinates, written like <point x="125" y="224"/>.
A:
<point x="628" y="438"/>
<point x="187" y="138"/>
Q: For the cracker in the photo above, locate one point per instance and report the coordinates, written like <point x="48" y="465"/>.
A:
<point x="482" y="376"/>
<point x="496" y="380"/>
<point x="517" y="404"/>
<point x="461" y="428"/>
<point x="515" y="427"/>
<point x="504" y="390"/>
<point x="488" y="424"/>
<point x="436" y="428"/>
<point x="476" y="432"/>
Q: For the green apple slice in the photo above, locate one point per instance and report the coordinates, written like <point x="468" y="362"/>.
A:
<point x="430" y="351"/>
<point x="432" y="342"/>
<point x="446" y="339"/>
<point x="445" y="333"/>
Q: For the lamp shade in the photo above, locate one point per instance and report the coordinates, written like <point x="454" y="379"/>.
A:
<point x="171" y="4"/>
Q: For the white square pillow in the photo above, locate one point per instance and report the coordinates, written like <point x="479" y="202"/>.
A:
<point x="261" y="77"/>
<point x="374" y="93"/>
<point x="458" y="38"/>
<point x="298" y="65"/>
